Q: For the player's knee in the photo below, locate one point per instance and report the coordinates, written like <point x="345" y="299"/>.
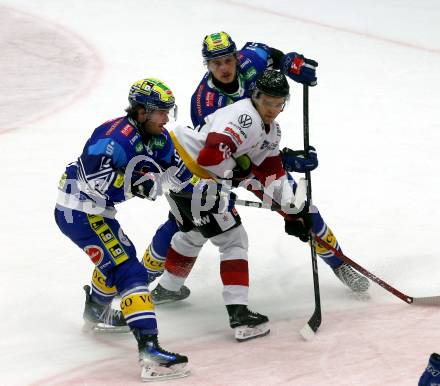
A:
<point x="233" y="242"/>
<point x="128" y="275"/>
<point x="99" y="284"/>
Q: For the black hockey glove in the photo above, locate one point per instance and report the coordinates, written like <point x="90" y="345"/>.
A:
<point x="299" y="225"/>
<point x="146" y="185"/>
<point x="241" y="170"/>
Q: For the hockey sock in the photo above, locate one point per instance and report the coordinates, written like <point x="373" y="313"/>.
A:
<point x="235" y="278"/>
<point x="153" y="262"/>
<point x="101" y="293"/>
<point x="178" y="264"/>
<point x="321" y="229"/>
<point x="138" y="310"/>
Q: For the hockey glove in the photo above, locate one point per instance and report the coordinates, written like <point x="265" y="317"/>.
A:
<point x="146" y="186"/>
<point x="294" y="160"/>
<point x="299" y="68"/>
<point x="431" y="375"/>
<point x="299" y="225"/>
<point x="241" y="170"/>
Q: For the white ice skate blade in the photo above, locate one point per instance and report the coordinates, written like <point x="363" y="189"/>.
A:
<point x="102" y="328"/>
<point x="307" y="333"/>
<point x="243" y="333"/>
<point x="155" y="372"/>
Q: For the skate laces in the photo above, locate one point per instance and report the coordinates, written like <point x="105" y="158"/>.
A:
<point x="110" y="316"/>
<point x="252" y="313"/>
<point x="349" y="275"/>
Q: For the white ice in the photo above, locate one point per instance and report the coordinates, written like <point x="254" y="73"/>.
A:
<point x="66" y="67"/>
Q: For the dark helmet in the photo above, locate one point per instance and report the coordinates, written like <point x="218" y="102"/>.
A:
<point x="272" y="83"/>
<point x="216" y="45"/>
<point x="152" y="94"/>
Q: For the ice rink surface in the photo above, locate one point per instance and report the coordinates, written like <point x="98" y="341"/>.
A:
<point x="66" y="67"/>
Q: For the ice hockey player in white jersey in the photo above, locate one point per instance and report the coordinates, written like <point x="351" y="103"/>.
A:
<point x="220" y="88"/>
<point x="244" y="132"/>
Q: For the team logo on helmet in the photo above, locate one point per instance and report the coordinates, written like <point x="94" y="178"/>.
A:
<point x="218" y="44"/>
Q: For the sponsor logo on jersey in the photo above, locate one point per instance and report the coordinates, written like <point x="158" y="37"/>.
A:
<point x="119" y="181"/>
<point x="157" y="142"/>
<point x="209" y="99"/>
<point x="139" y="147"/>
<point x="109" y="149"/>
<point x="268" y="145"/>
<point x="224" y="220"/>
<point x="245" y="63"/>
<point x="118" y="254"/>
<point x="95" y="253"/>
<point x="106" y="235"/>
<point x="249" y="74"/>
<point x="134" y="139"/>
<point x="127" y="130"/>
<point x="123" y="238"/>
<point x="199" y="221"/>
<point x="242" y="132"/>
<point x="234" y="135"/>
<point x="244" y="121"/>
<point x="199" y="99"/>
<point x="113" y="127"/>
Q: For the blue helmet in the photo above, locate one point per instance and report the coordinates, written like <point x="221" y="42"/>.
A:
<point x="152" y="94"/>
<point x="216" y="45"/>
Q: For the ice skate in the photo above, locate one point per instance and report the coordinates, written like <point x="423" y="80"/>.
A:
<point x="247" y="324"/>
<point x="158" y="364"/>
<point x="102" y="318"/>
<point x="349" y="277"/>
<point x="161" y="295"/>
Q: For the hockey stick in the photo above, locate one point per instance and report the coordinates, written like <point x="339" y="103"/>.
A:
<point x="426" y="301"/>
<point x="254" y="204"/>
<point x="308" y="331"/>
<point x="429" y="300"/>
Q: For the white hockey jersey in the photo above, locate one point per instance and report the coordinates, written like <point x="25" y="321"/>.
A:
<point x="242" y="125"/>
<point x="210" y="149"/>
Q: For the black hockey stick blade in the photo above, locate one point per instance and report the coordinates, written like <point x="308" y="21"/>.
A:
<point x="309" y="330"/>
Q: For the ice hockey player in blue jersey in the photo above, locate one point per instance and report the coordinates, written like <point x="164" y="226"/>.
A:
<point x="231" y="77"/>
<point x="232" y="74"/>
<point x="132" y="155"/>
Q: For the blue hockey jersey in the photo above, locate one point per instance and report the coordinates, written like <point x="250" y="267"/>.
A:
<point x="95" y="182"/>
<point x="254" y="58"/>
